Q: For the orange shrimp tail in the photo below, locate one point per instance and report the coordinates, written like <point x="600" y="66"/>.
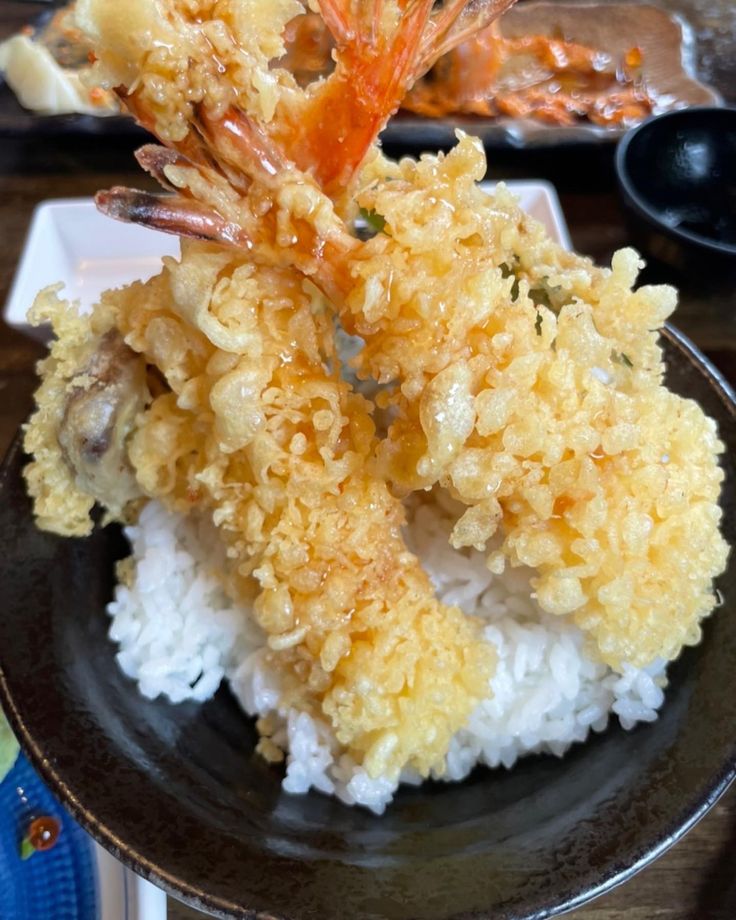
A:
<point x="376" y="67"/>
<point x="171" y="214"/>
<point x="346" y="113"/>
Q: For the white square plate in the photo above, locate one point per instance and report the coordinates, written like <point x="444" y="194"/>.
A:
<point x="70" y="241"/>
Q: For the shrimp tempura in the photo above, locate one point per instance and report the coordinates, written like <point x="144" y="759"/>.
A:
<point x="529" y="383"/>
<point x="255" y="431"/>
<point x="517" y="376"/>
<point x="525" y="380"/>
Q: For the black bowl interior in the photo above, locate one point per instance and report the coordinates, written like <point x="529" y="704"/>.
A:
<point x="178" y="793"/>
<point x="680" y="170"/>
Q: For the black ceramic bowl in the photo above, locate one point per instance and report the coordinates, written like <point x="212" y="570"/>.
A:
<point x="677" y="175"/>
<point x="178" y="793"/>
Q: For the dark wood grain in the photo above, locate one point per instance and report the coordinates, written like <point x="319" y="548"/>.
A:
<point x="696" y="879"/>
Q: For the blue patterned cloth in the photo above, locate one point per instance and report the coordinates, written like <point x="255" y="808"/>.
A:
<point x="58" y="884"/>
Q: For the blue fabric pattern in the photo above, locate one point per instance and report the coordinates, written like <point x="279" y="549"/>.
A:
<point x="58" y="884"/>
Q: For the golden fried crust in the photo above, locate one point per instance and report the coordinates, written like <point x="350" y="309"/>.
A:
<point x="181" y="55"/>
<point x="60" y="505"/>
<point x="530" y="386"/>
<point x="93" y="387"/>
<point x="522" y="379"/>
<point x="257" y="431"/>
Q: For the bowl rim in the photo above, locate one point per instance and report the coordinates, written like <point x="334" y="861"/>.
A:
<point x="570" y="896"/>
<point x="643" y="207"/>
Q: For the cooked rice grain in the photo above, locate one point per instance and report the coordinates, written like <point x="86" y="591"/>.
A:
<point x="179" y="635"/>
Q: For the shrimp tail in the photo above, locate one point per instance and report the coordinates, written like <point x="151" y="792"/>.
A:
<point x="376" y="65"/>
<point x="170" y="214"/>
<point x="324" y="133"/>
<point x="331" y="135"/>
<point x="238" y="143"/>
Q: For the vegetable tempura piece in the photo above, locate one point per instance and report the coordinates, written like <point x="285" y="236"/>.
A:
<point x="93" y="388"/>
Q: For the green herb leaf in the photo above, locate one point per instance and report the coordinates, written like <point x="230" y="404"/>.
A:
<point x="540" y="298"/>
<point x="375" y="221"/>
<point x="551" y="296"/>
<point x="621" y="358"/>
<point x="508" y="272"/>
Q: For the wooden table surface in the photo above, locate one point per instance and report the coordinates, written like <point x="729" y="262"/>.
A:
<point x="694" y="880"/>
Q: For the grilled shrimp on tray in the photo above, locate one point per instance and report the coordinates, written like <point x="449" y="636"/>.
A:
<point x="515" y="376"/>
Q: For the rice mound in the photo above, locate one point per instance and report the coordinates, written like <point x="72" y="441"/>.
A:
<point x="179" y="635"/>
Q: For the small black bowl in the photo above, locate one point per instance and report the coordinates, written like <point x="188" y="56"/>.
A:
<point x="677" y="175"/>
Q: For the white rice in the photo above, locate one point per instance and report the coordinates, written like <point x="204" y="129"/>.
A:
<point x="179" y="635"/>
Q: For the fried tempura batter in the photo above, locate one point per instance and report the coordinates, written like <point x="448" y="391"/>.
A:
<point x="518" y="376"/>
<point x="530" y="385"/>
<point x="92" y="389"/>
<point x="256" y="431"/>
